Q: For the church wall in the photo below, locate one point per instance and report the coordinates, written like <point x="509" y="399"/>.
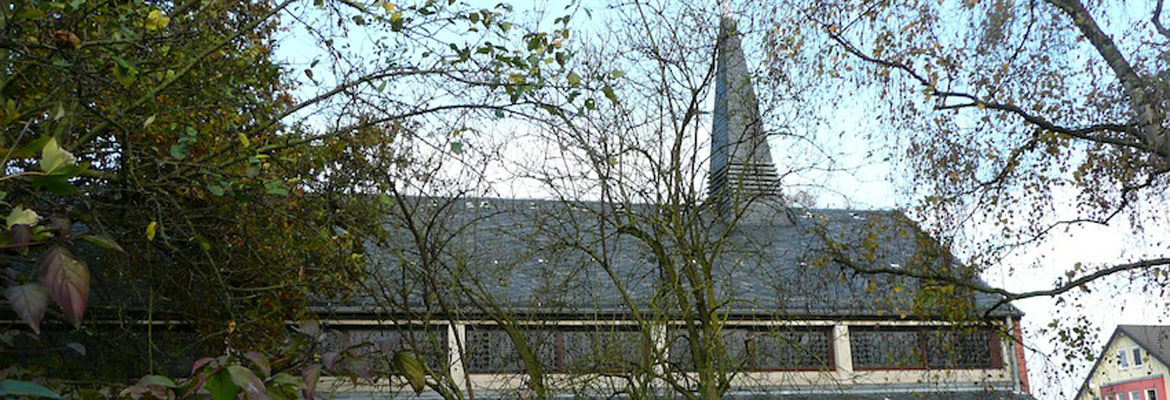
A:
<point x="841" y="376"/>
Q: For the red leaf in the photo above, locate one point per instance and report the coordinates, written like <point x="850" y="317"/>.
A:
<point x="198" y="365"/>
<point x="20" y="234"/>
<point x="310" y="328"/>
<point x="311" y="374"/>
<point x="67" y="279"/>
<point x="329" y="359"/>
<point x="260" y="361"/>
<point x="29" y="301"/>
<point x="248" y="380"/>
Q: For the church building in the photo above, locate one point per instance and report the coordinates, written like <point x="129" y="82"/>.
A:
<point x="742" y="296"/>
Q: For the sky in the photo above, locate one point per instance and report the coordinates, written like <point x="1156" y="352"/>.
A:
<point x="867" y="182"/>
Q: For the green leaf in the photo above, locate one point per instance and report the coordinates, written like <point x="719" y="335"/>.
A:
<point x="57" y="184"/>
<point x="21" y="216"/>
<point x="412" y="370"/>
<point x="617" y="74"/>
<point x="67" y="279"/>
<point x="386" y="200"/>
<point x="574" y="79"/>
<point x="216" y="190"/>
<point x="158" y="380"/>
<point x="31" y="148"/>
<point x="203" y="242"/>
<point x="29" y="13"/>
<point x="151" y="229"/>
<point x="457" y="147"/>
<point x="221" y="387"/>
<point x="103" y="242"/>
<point x="10" y="388"/>
<point x="285" y="379"/>
<point x="53" y="158"/>
<point x="610" y="94"/>
<point x="30" y="301"/>
<point x="274" y="187"/>
<point x="125" y="75"/>
<point x="149" y="120"/>
<point x="179" y="151"/>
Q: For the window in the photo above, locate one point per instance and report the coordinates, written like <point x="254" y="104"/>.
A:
<point x="1137" y="356"/>
<point x="1135" y="395"/>
<point x="1122" y="360"/>
<point x="575" y="349"/>
<point x="894" y="348"/>
<point x="491" y="350"/>
<point x="601" y="350"/>
<point x="874" y="348"/>
<point x="960" y="348"/>
<point x="429" y="344"/>
<point x="762" y="349"/>
<point x="788" y="349"/>
<point x="735" y="349"/>
<point x="1151" y="394"/>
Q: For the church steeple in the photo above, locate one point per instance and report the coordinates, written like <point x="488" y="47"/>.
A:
<point x="743" y="180"/>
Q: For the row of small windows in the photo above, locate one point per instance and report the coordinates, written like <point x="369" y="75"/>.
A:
<point x="612" y="349"/>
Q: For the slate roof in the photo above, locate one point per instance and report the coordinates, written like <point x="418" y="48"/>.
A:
<point x="546" y="257"/>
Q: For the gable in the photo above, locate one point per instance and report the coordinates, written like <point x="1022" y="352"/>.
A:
<point x="1108" y="367"/>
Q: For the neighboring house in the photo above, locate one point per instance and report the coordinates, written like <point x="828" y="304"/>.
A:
<point x="1132" y="366"/>
<point x="795" y="324"/>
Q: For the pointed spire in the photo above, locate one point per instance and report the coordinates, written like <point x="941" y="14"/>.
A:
<point x="742" y="173"/>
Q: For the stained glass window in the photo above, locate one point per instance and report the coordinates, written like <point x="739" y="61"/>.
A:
<point x="923" y="347"/>
<point x="792" y="349"/>
<point x="886" y="348"/>
<point x="959" y="348"/>
<point x="602" y="350"/>
<point x="490" y="349"/>
<point x="428" y="344"/>
<point x="760" y="348"/>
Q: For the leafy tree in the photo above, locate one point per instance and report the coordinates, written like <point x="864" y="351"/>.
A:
<point x="169" y="133"/>
<point x="1019" y="121"/>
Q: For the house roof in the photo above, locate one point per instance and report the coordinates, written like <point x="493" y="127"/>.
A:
<point x="1154" y="339"/>
<point x="547" y="257"/>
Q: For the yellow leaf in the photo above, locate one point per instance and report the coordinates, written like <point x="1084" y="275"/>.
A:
<point x="156" y="20"/>
<point x="388" y="6"/>
<point x="244" y="140"/>
<point x="151" y="229"/>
